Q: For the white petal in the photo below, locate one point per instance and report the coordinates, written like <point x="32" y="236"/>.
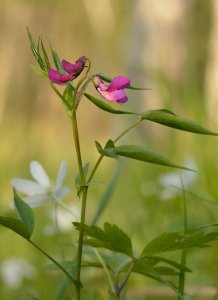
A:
<point x="61" y="174"/>
<point x="28" y="187"/>
<point x="39" y="174"/>
<point x="37" y="200"/>
<point x="62" y="192"/>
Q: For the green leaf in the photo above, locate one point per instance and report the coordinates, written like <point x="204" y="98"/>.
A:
<point x="47" y="62"/>
<point x="25" y="212"/>
<point x="107" y="195"/>
<point x="146" y="155"/>
<point x="106" y="107"/>
<point x="169" y="119"/>
<point x="108" y="79"/>
<point x="143" y="268"/>
<point x="109" y="149"/>
<point x="35" y="51"/>
<point x="68" y="94"/>
<point x="78" y="185"/>
<point x="56" y="59"/>
<point x="112" y="238"/>
<point x="15" y="225"/>
<point x="172" y="241"/>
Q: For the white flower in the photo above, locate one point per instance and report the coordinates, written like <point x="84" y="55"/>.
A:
<point x="14" y="270"/>
<point x="41" y="190"/>
<point x="172" y="184"/>
<point x="63" y="218"/>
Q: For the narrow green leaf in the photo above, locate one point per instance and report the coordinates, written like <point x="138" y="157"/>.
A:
<point x="154" y="260"/>
<point x="35" y="51"/>
<point x="112" y="238"/>
<point x="68" y="94"/>
<point x="146" y="155"/>
<point x="47" y="62"/>
<point x="107" y="195"/>
<point x="106" y="107"/>
<point x="109" y="149"/>
<point x="25" y="212"/>
<point x="78" y="185"/>
<point x="15" y="225"/>
<point x="141" y="267"/>
<point x="108" y="79"/>
<point x="169" y="119"/>
<point x="56" y="59"/>
<point x="172" y="241"/>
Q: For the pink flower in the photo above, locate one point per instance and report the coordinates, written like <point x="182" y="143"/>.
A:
<point x="72" y="71"/>
<point x="113" y="92"/>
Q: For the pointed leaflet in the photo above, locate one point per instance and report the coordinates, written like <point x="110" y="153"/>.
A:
<point x="169" y="119"/>
<point x="47" y="62"/>
<point x="112" y="238"/>
<point x="107" y="195"/>
<point x="35" y="51"/>
<point x="56" y="59"/>
<point x="144" y="268"/>
<point x="15" y="225"/>
<point x="172" y="241"/>
<point x="25" y="212"/>
<point x="78" y="185"/>
<point x="109" y="149"/>
<point x="106" y="107"/>
<point x="108" y="79"/>
<point x="146" y="155"/>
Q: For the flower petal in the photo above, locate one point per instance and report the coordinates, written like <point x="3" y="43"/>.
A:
<point x="119" y="82"/>
<point x="28" y="187"/>
<point x="62" y="192"/>
<point x="59" y="78"/>
<point x="61" y="174"/>
<point x="74" y="69"/>
<point x="37" y="200"/>
<point x="39" y="174"/>
<point x="118" y="95"/>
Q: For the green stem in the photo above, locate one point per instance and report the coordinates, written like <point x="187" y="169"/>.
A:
<point x="184" y="251"/>
<point x="106" y="270"/>
<point x="56" y="263"/>
<point x="115" y="140"/>
<point x="84" y="196"/>
<point x="120" y="287"/>
<point x="127" y="130"/>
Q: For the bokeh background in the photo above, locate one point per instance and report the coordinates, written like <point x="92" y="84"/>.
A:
<point x="168" y="46"/>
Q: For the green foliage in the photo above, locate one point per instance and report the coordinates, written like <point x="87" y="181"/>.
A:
<point x="106" y="107"/>
<point x="78" y="185"/>
<point x="111" y="238"/>
<point x="46" y="59"/>
<point x="25" y="212"/>
<point x="68" y="95"/>
<point x="36" y="51"/>
<point x="168" y="118"/>
<point x="107" y="195"/>
<point x="172" y="241"/>
<point x="146" y="155"/>
<point x="15" y="225"/>
<point x="109" y="149"/>
<point x="108" y="79"/>
<point x="56" y="59"/>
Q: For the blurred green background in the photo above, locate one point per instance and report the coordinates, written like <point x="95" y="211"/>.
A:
<point x="169" y="46"/>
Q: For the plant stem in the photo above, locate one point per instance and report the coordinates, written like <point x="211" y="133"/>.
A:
<point x="84" y="196"/>
<point x="184" y="251"/>
<point x="115" y="140"/>
<point x="56" y="263"/>
<point x="120" y="287"/>
<point x="127" y="130"/>
<point x="106" y="270"/>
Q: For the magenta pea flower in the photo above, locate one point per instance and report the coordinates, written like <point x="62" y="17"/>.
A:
<point x="115" y="90"/>
<point x="72" y="71"/>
